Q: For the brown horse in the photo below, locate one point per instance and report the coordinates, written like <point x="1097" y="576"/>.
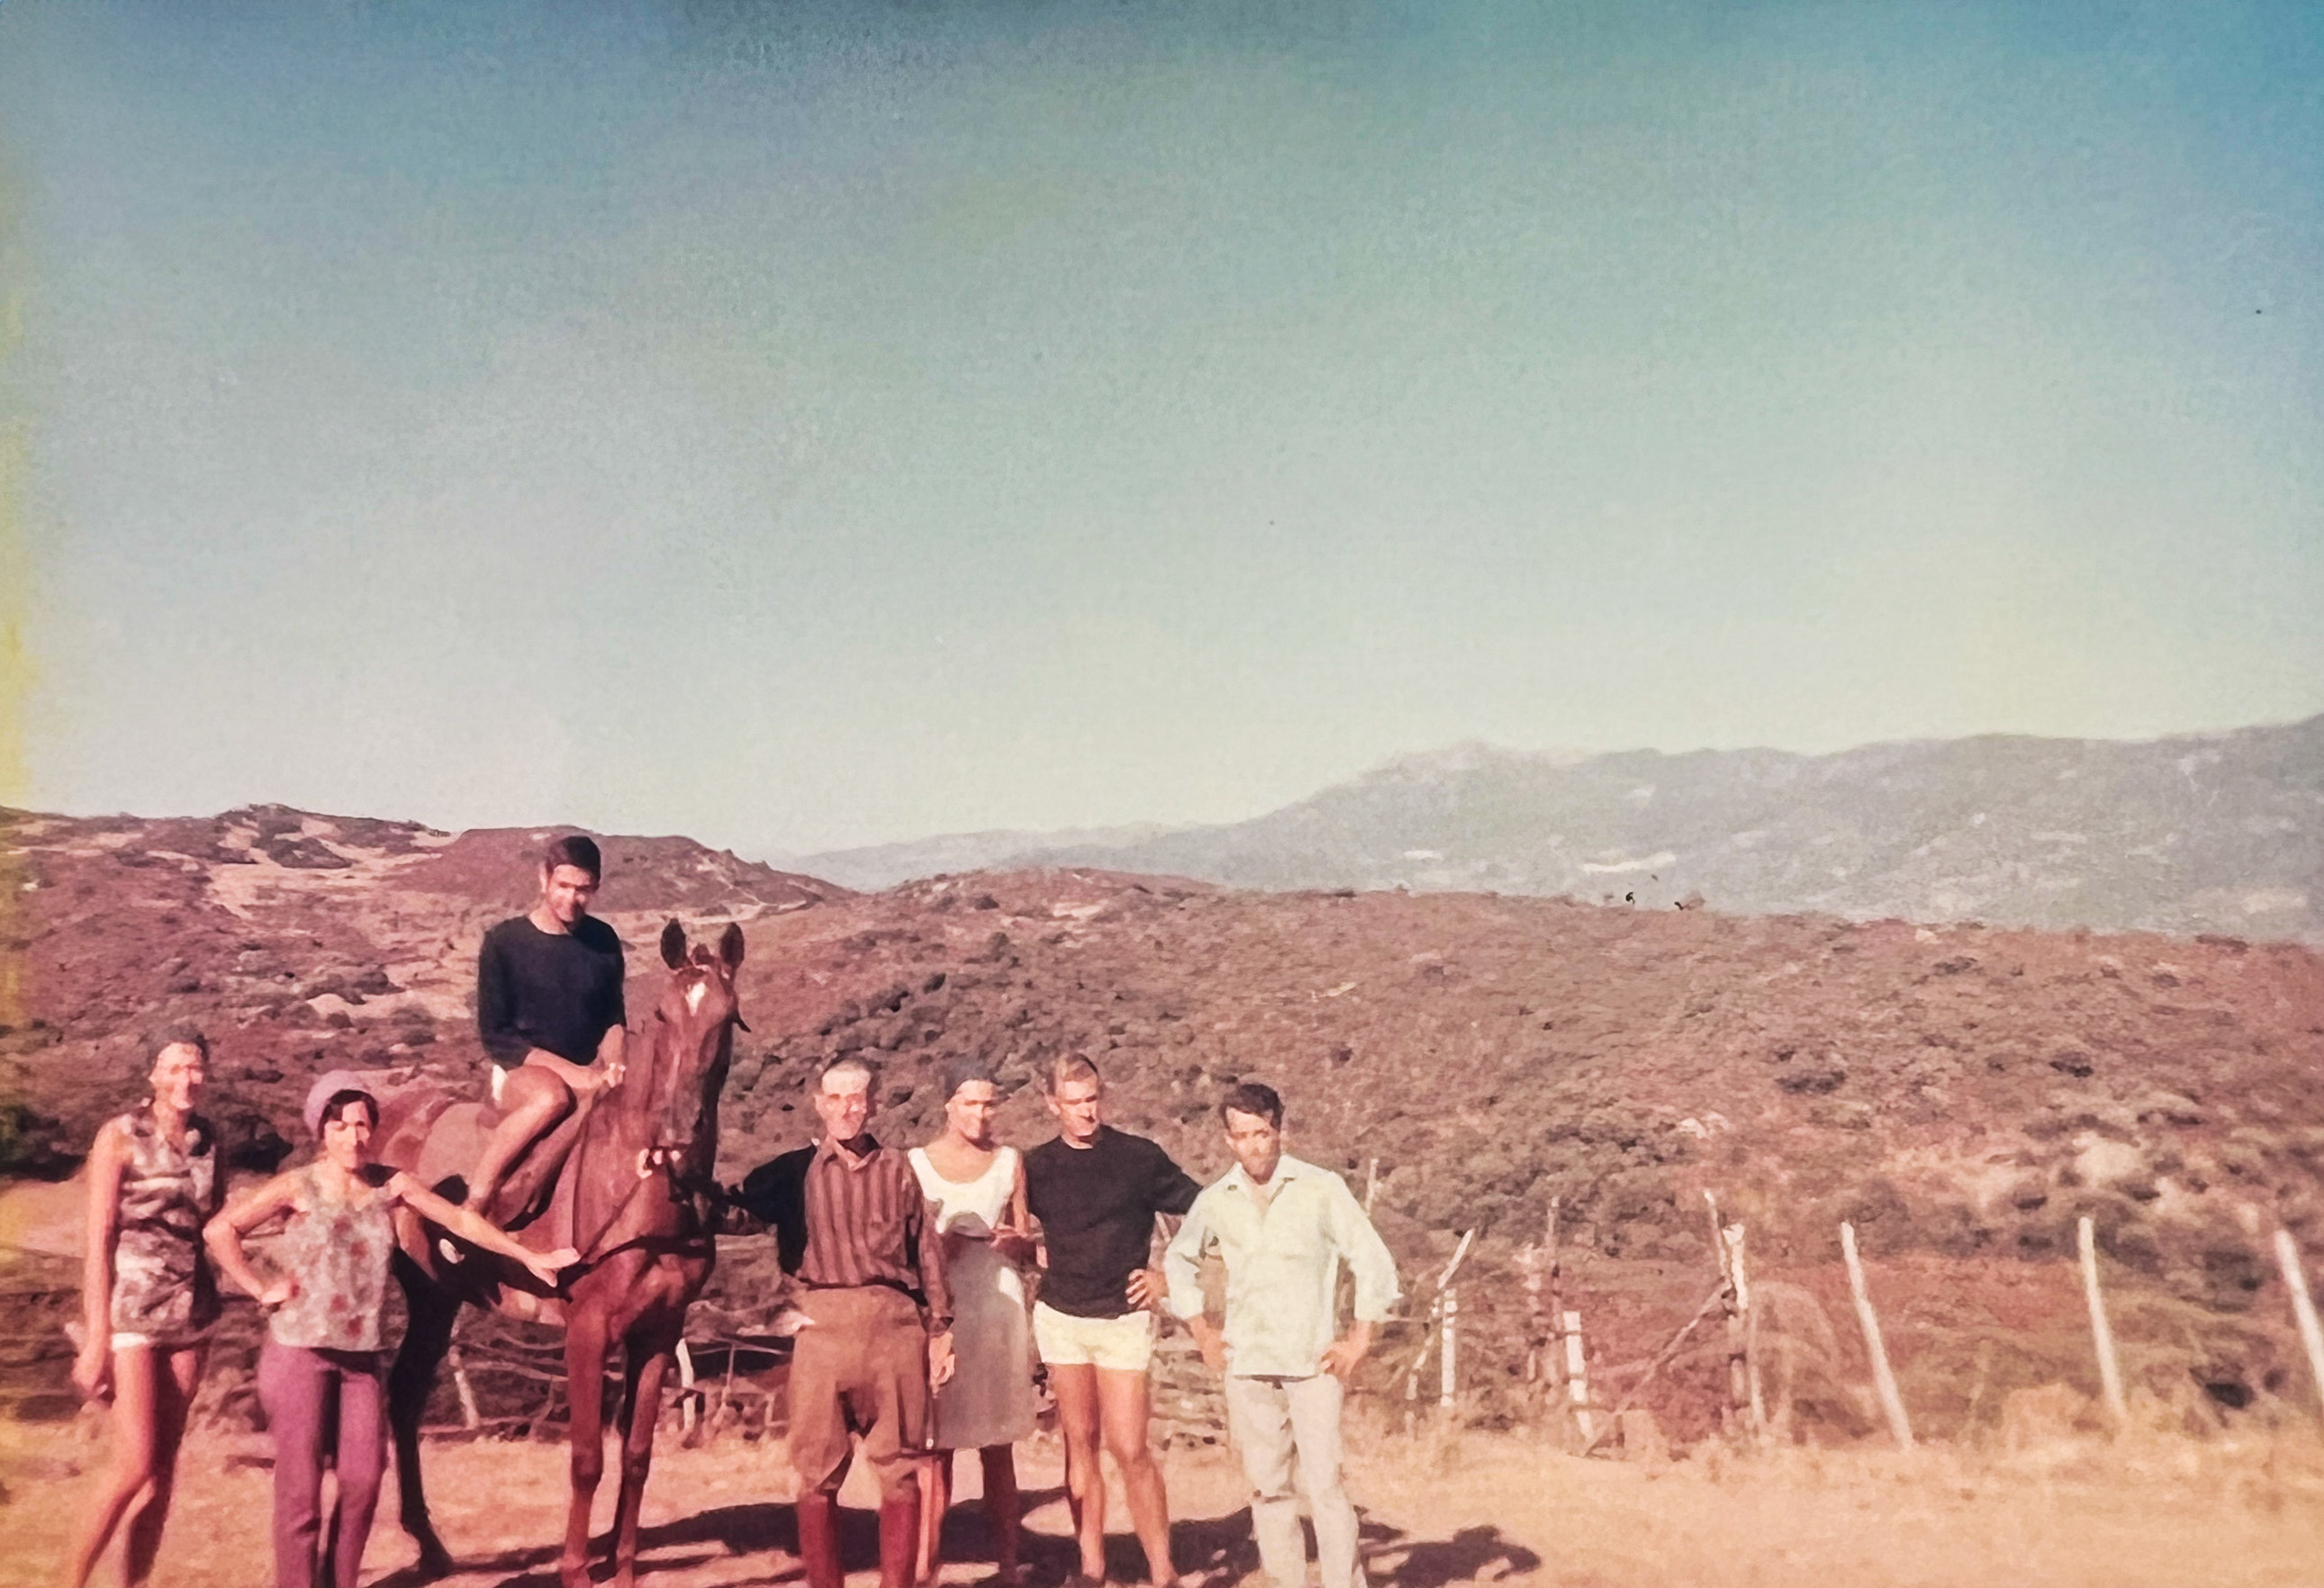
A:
<point x="623" y="1197"/>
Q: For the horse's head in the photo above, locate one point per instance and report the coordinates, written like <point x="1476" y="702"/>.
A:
<point x="692" y="1040"/>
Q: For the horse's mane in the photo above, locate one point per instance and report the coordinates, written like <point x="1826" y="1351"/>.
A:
<point x="634" y="1115"/>
<point x="628" y="1116"/>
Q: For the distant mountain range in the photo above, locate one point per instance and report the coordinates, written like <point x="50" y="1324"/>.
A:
<point x="884" y="866"/>
<point x="2216" y="832"/>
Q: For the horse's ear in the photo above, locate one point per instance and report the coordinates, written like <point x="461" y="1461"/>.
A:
<point x="673" y="944"/>
<point x="730" y="944"/>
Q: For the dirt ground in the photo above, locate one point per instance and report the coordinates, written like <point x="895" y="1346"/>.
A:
<point x="1439" y="1508"/>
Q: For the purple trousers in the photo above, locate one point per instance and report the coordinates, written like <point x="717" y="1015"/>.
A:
<point x="308" y="1395"/>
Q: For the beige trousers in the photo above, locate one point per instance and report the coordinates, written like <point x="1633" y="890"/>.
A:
<point x="1274" y="1420"/>
<point x="861" y="1366"/>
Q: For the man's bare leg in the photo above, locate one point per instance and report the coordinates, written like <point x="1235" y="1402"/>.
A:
<point x="535" y="1099"/>
<point x="1125" y="1407"/>
<point x="1075" y="1386"/>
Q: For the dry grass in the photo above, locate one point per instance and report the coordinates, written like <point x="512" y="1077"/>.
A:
<point x="1440" y="1509"/>
<point x="2166" y="1512"/>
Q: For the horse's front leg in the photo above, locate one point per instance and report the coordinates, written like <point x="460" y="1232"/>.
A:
<point x="648" y="1360"/>
<point x="585" y="1383"/>
<point x="426" y="1338"/>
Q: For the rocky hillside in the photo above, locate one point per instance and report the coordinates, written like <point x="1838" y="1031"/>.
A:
<point x="2215" y="833"/>
<point x="298" y="941"/>
<point x="1962" y="1093"/>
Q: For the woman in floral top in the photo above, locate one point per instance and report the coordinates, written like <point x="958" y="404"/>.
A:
<point x="323" y="1342"/>
<point x="148" y="1298"/>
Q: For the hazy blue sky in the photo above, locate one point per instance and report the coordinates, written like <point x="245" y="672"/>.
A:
<point x="799" y="425"/>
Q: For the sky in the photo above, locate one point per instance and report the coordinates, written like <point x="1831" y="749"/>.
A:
<point x="805" y="425"/>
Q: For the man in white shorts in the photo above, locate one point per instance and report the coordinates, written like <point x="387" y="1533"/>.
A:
<point x="1096" y="1191"/>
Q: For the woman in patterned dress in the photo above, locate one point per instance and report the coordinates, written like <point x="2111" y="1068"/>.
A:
<point x="978" y="1188"/>
<point x="148" y="1296"/>
<point x="323" y="1345"/>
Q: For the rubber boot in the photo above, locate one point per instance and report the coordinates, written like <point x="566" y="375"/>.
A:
<point x="899" y="1538"/>
<point x="818" y="1540"/>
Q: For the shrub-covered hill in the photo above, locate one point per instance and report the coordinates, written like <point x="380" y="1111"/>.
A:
<point x="1962" y="1095"/>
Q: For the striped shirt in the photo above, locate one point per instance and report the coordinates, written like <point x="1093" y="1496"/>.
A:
<point x="868" y="1222"/>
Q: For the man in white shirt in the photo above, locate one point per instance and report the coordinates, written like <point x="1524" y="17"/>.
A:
<point x="1283" y="1228"/>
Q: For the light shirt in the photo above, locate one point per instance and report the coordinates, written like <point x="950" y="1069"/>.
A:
<point x="1283" y="1258"/>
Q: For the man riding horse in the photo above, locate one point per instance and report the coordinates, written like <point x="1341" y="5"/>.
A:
<point x="629" y="1189"/>
<point x="548" y="1008"/>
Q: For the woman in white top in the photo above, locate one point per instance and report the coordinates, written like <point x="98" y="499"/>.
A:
<point x="979" y="1188"/>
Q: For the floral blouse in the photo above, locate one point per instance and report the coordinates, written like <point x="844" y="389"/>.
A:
<point x="339" y="1252"/>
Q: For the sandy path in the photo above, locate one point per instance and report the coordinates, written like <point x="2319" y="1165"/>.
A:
<point x="1478" y="1508"/>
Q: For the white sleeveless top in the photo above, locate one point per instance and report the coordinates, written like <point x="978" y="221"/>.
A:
<point x="971" y="1208"/>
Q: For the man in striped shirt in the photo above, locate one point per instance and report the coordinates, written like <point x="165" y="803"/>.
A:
<point x="854" y="1230"/>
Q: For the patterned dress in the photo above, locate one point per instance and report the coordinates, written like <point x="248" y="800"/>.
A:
<point x="164" y="1291"/>
<point x="339" y="1252"/>
<point x="990" y="1397"/>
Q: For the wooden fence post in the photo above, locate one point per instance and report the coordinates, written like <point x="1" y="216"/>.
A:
<point x="1537" y="1272"/>
<point x="1420" y="1359"/>
<point x="1745" y="1399"/>
<point x="1460" y="1253"/>
<point x="1544" y="1363"/>
<point x="1552" y="1306"/>
<point x="1743" y="1330"/>
<point x="685" y="1395"/>
<point x="470" y="1418"/>
<point x="1448" y="1349"/>
<point x="1577" y="1377"/>
<point x="1448" y="1310"/>
<point x="1882" y="1380"/>
<point x="2303" y="1307"/>
<point x="2109" y="1370"/>
<point x="1529" y="1280"/>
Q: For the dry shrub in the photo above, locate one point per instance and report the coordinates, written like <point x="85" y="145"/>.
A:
<point x="2046" y="1416"/>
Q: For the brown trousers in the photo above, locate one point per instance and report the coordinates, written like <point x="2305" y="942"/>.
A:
<point x="860" y="1367"/>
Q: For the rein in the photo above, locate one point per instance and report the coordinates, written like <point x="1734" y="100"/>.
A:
<point x="663" y="1154"/>
<point x="661" y="1158"/>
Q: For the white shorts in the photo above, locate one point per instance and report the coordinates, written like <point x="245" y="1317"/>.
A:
<point x="1121" y="1345"/>
<point x="123" y="1340"/>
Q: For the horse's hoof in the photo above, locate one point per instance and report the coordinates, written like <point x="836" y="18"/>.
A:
<point x="449" y="1252"/>
<point x="435" y="1561"/>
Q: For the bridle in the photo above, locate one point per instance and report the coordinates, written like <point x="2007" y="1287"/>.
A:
<point x="674" y="1143"/>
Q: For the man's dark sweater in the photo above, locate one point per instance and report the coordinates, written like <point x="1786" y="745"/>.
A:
<point x="1096" y="1205"/>
<point x="558" y="991"/>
